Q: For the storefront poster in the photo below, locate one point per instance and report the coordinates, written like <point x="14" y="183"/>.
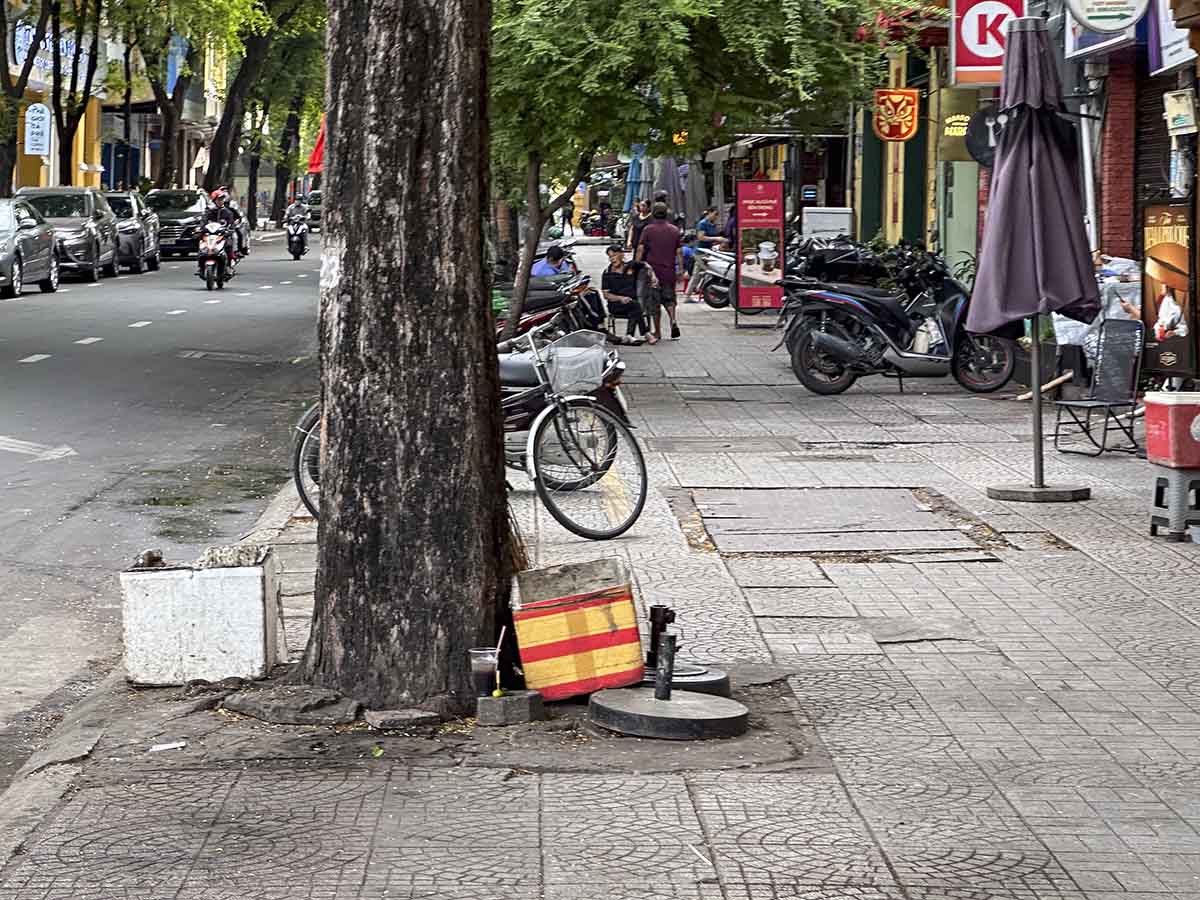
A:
<point x="1169" y="44"/>
<point x="979" y="38"/>
<point x="1167" y="303"/>
<point x="1080" y="42"/>
<point x="760" y="214"/>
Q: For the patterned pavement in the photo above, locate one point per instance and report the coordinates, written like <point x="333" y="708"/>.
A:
<point x="1021" y="723"/>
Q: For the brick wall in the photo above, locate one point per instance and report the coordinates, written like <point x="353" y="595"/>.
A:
<point x="1116" y="191"/>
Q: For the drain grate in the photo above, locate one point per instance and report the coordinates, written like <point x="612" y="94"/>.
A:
<point x="228" y="356"/>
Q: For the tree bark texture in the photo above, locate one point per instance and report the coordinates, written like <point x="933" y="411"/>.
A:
<point x="413" y="527"/>
<point x="127" y="112"/>
<point x="507" y="248"/>
<point x="70" y="109"/>
<point x="252" y="211"/>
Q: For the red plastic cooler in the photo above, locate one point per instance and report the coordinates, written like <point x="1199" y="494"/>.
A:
<point x="1173" y="429"/>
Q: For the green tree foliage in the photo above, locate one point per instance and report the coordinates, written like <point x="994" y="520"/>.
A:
<point x="570" y="79"/>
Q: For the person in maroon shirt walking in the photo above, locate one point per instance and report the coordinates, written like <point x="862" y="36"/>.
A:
<point x="661" y="247"/>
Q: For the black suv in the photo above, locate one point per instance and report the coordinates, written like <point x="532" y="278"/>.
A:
<point x="85" y="227"/>
<point x="180" y="218"/>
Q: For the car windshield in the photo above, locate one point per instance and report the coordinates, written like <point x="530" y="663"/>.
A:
<point x="60" y="206"/>
<point x="175" y="201"/>
<point x="122" y="206"/>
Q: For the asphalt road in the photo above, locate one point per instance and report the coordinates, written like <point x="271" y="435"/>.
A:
<point x="141" y="412"/>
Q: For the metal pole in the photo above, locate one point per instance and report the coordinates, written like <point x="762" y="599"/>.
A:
<point x="1089" y="177"/>
<point x="666" y="668"/>
<point x="1035" y="382"/>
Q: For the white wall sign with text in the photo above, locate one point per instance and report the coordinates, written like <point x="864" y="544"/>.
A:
<point x="1108" y="16"/>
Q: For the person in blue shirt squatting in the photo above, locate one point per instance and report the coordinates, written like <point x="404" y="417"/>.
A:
<point x="689" y="262"/>
<point x="555" y="263"/>
<point x="707" y="230"/>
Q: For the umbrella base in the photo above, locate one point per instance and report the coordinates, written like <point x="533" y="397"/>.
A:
<point x="1024" y="493"/>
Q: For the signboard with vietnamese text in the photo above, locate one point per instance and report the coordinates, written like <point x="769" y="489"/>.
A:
<point x="37" y="130"/>
<point x="1107" y="16"/>
<point x="42" y="70"/>
<point x="979" y="38"/>
<point x="1170" y="47"/>
<point x="1080" y="42"/>
<point x="760" y="244"/>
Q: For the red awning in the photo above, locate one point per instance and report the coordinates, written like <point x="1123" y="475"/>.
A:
<point x="316" y="161"/>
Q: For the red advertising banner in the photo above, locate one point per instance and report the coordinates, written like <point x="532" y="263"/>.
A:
<point x="980" y="36"/>
<point x="760" y="247"/>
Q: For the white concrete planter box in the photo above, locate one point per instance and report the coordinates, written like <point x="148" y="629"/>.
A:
<point x="211" y="621"/>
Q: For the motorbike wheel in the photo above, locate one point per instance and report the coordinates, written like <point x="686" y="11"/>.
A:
<point x="210" y="277"/>
<point x="983" y="363"/>
<point x="714" y="299"/>
<point x="819" y="372"/>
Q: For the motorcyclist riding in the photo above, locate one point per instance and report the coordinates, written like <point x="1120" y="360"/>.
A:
<point x="297" y="208"/>
<point x="227" y="217"/>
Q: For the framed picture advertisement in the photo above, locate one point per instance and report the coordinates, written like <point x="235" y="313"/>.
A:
<point x="1168" y="298"/>
<point x="760" y="244"/>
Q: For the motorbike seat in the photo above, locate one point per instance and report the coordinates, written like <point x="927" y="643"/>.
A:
<point x="517" y="370"/>
<point x="894" y="299"/>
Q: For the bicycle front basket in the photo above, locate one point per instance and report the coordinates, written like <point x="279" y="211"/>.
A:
<point x="576" y="362"/>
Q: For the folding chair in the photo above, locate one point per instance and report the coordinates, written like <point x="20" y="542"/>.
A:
<point x="1113" y="393"/>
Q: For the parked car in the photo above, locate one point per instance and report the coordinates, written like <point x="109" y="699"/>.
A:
<point x="314" y="210"/>
<point x="181" y="217"/>
<point x="85" y="227"/>
<point x="28" y="251"/>
<point x="137" y="230"/>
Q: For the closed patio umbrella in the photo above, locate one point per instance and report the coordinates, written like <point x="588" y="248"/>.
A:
<point x="695" y="192"/>
<point x="669" y="181"/>
<point x="1034" y="257"/>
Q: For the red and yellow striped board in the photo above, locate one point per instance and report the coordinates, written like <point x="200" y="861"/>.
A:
<point x="580" y="644"/>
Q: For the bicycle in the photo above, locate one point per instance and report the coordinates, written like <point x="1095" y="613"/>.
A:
<point x="586" y="466"/>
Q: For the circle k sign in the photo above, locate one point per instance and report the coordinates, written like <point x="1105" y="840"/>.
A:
<point x="980" y="38"/>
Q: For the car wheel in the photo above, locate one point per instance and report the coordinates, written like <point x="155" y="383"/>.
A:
<point x="154" y="260"/>
<point x="112" y="270"/>
<point x="49" y="284"/>
<point x="93" y="274"/>
<point x="13" y="288"/>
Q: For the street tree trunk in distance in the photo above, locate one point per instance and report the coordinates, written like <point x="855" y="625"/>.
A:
<point x="413" y="527"/>
<point x="289" y="146"/>
<point x="69" y="106"/>
<point x="252" y="210"/>
<point x="12" y="92"/>
<point x="170" y="104"/>
<point x="536" y="217"/>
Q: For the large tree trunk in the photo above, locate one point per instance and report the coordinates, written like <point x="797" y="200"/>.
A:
<point x="414" y="528"/>
<point x="255" y="162"/>
<point x="70" y="106"/>
<point x="289" y="141"/>
<point x="169" y="126"/>
<point x="507" y="247"/>
<point x="8" y="164"/>
<point x="223" y="150"/>
<point x="170" y="108"/>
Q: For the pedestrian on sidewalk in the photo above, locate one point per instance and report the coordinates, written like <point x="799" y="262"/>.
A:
<point x="661" y="246"/>
<point x="640" y="219"/>
<point x="619" y="286"/>
<point x="554" y="263"/>
<point x="708" y="233"/>
<point x="689" y="264"/>
<point x="568" y="217"/>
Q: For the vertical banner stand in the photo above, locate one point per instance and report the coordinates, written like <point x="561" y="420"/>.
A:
<point x="761" y="247"/>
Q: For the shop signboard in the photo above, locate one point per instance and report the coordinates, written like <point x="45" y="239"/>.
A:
<point x="1168" y="43"/>
<point x="897" y="113"/>
<point x="979" y="39"/>
<point x="1168" y="304"/>
<point x="1080" y="41"/>
<point x="1107" y="16"/>
<point x="760" y="215"/>
<point x="37" y="130"/>
<point x="954" y="109"/>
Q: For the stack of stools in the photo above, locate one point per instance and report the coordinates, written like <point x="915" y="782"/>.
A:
<point x="1173" y="448"/>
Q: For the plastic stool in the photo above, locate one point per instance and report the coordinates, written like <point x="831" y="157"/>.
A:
<point x="1176" y="502"/>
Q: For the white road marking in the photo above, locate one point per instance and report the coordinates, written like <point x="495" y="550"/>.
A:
<point x="92" y="340"/>
<point x="139" y="324"/>
<point x="265" y="287"/>
<point x="94" y="284"/>
<point x="305" y="275"/>
<point x="212" y="301"/>
<point x="37" y="357"/>
<point x="37" y="451"/>
<point x="285" y="282"/>
<point x="175" y="267"/>
<point x="64" y="290"/>
<point x="245" y="294"/>
<point x="176" y="312"/>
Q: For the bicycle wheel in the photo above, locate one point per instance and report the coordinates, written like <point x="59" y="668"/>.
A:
<point x="306" y="459"/>
<point x="589" y="471"/>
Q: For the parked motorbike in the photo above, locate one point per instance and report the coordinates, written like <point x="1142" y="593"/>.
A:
<point x="217" y="263"/>
<point x="714" y="277"/>
<point x="297" y="236"/>
<point x="837" y="333"/>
